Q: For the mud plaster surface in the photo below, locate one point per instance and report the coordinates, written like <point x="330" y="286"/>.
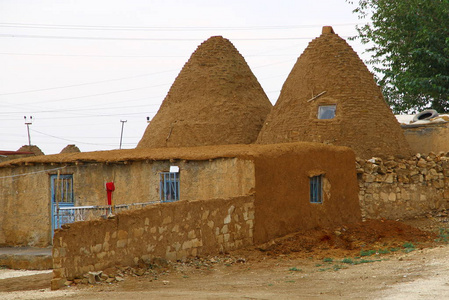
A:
<point x="363" y="120"/>
<point x="215" y="100"/>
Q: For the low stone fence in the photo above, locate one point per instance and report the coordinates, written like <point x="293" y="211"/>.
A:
<point x="171" y="231"/>
<point x="403" y="188"/>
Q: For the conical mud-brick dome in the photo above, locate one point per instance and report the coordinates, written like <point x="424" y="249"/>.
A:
<point x="331" y="97"/>
<point x="70" y="149"/>
<point x="215" y="100"/>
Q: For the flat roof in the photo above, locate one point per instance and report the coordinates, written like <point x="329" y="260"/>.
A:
<point x="186" y="153"/>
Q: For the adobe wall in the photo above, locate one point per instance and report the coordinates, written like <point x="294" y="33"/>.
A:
<point x="427" y="138"/>
<point x="25" y="200"/>
<point x="403" y="188"/>
<point x="25" y="206"/>
<point x="169" y="230"/>
<point x="283" y="184"/>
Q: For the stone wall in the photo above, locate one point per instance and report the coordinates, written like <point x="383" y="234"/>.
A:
<point x="170" y="230"/>
<point x="403" y="188"/>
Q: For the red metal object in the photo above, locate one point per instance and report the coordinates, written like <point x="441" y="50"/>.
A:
<point x="110" y="187"/>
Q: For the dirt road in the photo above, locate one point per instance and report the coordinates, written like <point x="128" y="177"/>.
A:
<point x="282" y="271"/>
<point x="420" y="274"/>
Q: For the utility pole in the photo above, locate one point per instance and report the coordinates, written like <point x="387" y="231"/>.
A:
<point x="28" y="123"/>
<point x="121" y="135"/>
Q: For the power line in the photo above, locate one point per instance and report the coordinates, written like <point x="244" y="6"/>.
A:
<point x="101" y="94"/>
<point x="87" y="83"/>
<point x="144" y="39"/>
<point x="115" y="56"/>
<point x="162" y="28"/>
<point x="73" y="141"/>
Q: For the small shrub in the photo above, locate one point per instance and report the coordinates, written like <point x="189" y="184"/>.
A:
<point x="295" y="269"/>
<point x="323" y="269"/>
<point x="367" y="252"/>
<point x="328" y="259"/>
<point x="408" y="245"/>
<point x="443" y="236"/>
<point x="347" y="261"/>
<point x="337" y="267"/>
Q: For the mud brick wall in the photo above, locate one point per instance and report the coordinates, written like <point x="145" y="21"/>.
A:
<point x="403" y="188"/>
<point x="172" y="231"/>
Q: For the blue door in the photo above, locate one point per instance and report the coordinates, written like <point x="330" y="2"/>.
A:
<point x="61" y="197"/>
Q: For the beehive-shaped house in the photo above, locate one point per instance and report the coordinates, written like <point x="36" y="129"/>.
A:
<point x="331" y="97"/>
<point x="215" y="100"/>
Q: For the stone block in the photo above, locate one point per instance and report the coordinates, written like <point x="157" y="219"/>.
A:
<point x="167" y="220"/>
<point x="392" y="197"/>
<point x="224" y="229"/>
<point x="211" y="224"/>
<point x="227" y="219"/>
<point x="187" y="245"/>
<point x="97" y="248"/>
<point x="138" y="232"/>
<point x="205" y="215"/>
<point x="56" y="283"/>
<point x="191" y="234"/>
<point x="226" y="237"/>
<point x="122" y="243"/>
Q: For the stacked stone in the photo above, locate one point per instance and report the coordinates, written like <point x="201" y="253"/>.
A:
<point x="403" y="188"/>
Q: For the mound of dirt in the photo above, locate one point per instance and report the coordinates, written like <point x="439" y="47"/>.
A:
<point x="350" y="239"/>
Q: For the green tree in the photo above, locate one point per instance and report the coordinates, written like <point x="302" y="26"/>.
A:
<point x="409" y="43"/>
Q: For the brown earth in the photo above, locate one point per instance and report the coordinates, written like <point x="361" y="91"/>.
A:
<point x="324" y="263"/>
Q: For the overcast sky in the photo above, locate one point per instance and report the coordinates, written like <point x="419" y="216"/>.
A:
<point x="80" y="67"/>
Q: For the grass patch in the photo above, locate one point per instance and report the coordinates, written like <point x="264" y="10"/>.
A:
<point x="337" y="267"/>
<point x="367" y="252"/>
<point x="347" y="261"/>
<point x="409" y="247"/>
<point x="443" y="236"/>
<point x="323" y="269"/>
<point x="295" y="269"/>
<point x="328" y="259"/>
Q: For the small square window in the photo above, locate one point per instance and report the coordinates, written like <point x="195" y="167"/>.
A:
<point x="316" y="189"/>
<point x="326" y="111"/>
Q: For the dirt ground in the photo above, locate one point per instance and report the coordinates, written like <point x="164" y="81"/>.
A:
<point x="372" y="260"/>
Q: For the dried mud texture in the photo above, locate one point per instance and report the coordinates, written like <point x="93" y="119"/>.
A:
<point x="186" y="153"/>
<point x="363" y="120"/>
<point x="70" y="149"/>
<point x="215" y="100"/>
<point x="350" y="239"/>
<point x="35" y="149"/>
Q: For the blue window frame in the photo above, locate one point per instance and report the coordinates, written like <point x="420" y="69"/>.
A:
<point x="316" y="189"/>
<point x="169" y="186"/>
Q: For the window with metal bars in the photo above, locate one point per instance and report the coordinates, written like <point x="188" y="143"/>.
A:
<point x="169" y="186"/>
<point x="316" y="189"/>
